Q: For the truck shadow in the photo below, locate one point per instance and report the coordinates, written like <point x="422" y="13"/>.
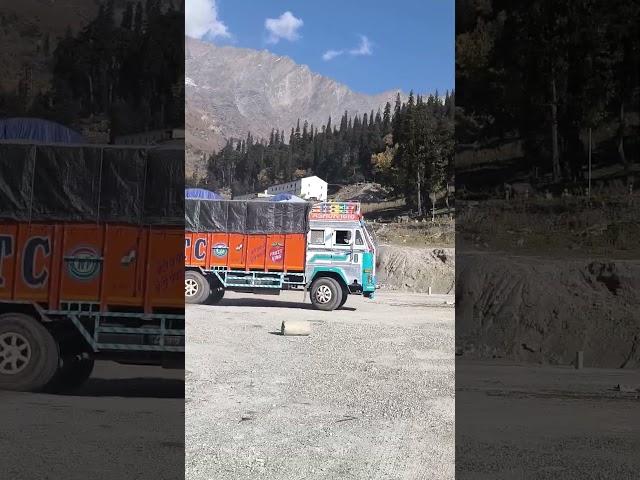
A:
<point x="130" y="388"/>
<point x="260" y="302"/>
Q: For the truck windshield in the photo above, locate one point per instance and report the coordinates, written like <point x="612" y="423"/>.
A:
<point x="371" y="235"/>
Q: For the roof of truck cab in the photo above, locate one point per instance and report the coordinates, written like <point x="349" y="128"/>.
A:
<point x="336" y="224"/>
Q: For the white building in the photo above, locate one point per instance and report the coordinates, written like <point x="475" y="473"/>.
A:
<point x="251" y="196"/>
<point x="309" y="188"/>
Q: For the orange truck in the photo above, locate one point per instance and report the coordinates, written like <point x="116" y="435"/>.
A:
<point x="267" y="246"/>
<point x="246" y="246"/>
<point x="90" y="261"/>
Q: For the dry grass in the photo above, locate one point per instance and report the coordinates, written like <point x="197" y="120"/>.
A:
<point x="438" y="234"/>
<point x="604" y="226"/>
<point x="370" y="208"/>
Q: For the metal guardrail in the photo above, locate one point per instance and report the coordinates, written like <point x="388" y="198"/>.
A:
<point x="276" y="280"/>
<point x="153" y="338"/>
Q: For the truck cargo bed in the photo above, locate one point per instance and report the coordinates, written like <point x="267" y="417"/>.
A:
<point x="111" y="267"/>
<point x="248" y="252"/>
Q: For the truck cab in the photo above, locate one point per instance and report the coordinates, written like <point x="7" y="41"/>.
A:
<point x="340" y="250"/>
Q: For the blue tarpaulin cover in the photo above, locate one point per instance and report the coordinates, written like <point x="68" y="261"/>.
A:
<point x="201" y="193"/>
<point x="37" y="130"/>
<point x="286" y="197"/>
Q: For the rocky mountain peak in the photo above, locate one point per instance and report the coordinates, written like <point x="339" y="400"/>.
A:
<point x="231" y="91"/>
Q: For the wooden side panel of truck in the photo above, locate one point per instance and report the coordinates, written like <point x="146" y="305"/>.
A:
<point x="115" y="267"/>
<point x="246" y="252"/>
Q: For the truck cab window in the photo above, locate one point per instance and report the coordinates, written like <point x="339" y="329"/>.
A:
<point x="343" y="237"/>
<point x="316" y="237"/>
<point x="359" y="240"/>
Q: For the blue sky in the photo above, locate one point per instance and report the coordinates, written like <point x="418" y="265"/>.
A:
<point x="371" y="46"/>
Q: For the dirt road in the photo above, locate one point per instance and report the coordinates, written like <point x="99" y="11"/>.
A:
<point x="125" y="422"/>
<point x="369" y="395"/>
<point x="542" y="422"/>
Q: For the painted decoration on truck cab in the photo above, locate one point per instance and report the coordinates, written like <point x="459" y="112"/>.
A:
<point x="83" y="263"/>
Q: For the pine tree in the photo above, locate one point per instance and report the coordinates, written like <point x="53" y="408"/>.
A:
<point x="386" y="119"/>
<point x="127" y="17"/>
<point x="138" y="22"/>
<point x="297" y="133"/>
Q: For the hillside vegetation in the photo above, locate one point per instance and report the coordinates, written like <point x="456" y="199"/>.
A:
<point x="534" y="77"/>
<point x="407" y="148"/>
<point x="123" y="65"/>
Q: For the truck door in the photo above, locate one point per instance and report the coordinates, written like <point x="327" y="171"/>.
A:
<point x="359" y="248"/>
<point x="342" y="247"/>
<point x="319" y="246"/>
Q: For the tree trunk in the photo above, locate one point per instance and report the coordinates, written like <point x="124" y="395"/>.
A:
<point x="90" y="80"/>
<point x="419" y="189"/>
<point x="620" y="137"/>
<point x="555" y="152"/>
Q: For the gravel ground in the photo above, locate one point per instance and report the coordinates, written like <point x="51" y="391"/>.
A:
<point x="125" y="422"/>
<point x="368" y="395"/>
<point x="541" y="422"/>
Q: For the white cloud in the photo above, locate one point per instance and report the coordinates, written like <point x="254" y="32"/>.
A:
<point x="364" y="48"/>
<point x="331" y="54"/>
<point x="286" y="26"/>
<point x="201" y="19"/>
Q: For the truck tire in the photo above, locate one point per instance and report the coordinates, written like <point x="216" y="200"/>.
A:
<point x="29" y="355"/>
<point x="216" y="295"/>
<point x="326" y="294"/>
<point x="345" y="296"/>
<point x="73" y="373"/>
<point x="196" y="287"/>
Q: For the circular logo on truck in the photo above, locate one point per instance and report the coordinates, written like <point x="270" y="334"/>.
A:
<point x="83" y="263"/>
<point x="276" y="253"/>
<point x="220" y="250"/>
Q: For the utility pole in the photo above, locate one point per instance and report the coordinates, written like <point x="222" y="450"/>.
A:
<point x="419" y="195"/>
<point x="589" y="189"/>
<point x="433" y="197"/>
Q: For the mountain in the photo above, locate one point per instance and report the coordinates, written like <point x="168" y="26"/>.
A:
<point x="231" y="91"/>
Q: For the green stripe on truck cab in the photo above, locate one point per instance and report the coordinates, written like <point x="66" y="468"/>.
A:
<point x="368" y="280"/>
<point x="337" y="270"/>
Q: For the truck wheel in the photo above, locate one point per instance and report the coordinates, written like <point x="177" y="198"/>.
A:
<point x="73" y="373"/>
<point x="29" y="354"/>
<point x="196" y="287"/>
<point x="345" y="296"/>
<point x="216" y="295"/>
<point x="326" y="294"/>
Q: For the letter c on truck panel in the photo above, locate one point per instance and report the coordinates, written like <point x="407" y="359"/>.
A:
<point x="32" y="278"/>
<point x="200" y="249"/>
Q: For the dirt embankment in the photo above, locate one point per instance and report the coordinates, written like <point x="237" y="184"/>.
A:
<point x="416" y="269"/>
<point x="544" y="310"/>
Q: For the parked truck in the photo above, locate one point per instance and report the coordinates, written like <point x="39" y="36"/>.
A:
<point x="265" y="247"/>
<point x="90" y="261"/>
